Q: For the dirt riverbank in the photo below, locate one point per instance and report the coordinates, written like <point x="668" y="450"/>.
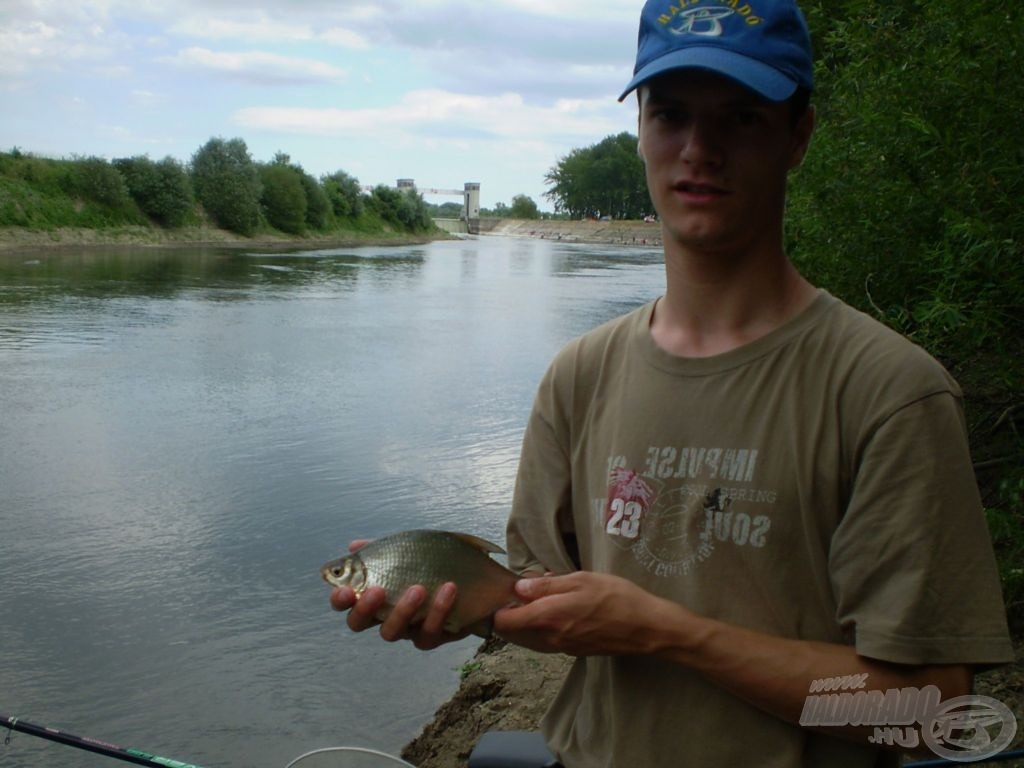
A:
<point x="598" y="232"/>
<point x="19" y="239"/>
<point x="506" y="687"/>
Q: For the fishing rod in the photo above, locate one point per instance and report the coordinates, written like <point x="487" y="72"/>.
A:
<point x="129" y="755"/>
<point x="320" y="758"/>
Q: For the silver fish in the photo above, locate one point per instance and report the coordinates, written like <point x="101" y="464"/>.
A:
<point x="430" y="558"/>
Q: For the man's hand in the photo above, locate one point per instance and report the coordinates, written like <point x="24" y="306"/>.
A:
<point x="399" y="623"/>
<point x="582" y="614"/>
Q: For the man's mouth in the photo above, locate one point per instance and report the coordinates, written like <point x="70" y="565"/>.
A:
<point x="699" y="188"/>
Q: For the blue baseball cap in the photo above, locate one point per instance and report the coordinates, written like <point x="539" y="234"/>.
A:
<point x="762" y="44"/>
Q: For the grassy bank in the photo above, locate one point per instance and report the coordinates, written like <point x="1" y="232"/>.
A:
<point x="14" y="240"/>
<point x="136" y="201"/>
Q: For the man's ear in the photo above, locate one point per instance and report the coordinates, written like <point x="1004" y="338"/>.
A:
<point x="802" y="133"/>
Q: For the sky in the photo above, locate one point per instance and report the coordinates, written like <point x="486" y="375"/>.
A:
<point x="439" y="91"/>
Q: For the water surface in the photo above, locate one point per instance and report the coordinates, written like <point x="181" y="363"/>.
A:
<point x="185" y="436"/>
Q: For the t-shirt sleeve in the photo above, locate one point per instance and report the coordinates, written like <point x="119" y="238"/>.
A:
<point x="541" y="516"/>
<point x="911" y="561"/>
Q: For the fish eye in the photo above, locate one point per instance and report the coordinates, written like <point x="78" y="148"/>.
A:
<point x="337" y="570"/>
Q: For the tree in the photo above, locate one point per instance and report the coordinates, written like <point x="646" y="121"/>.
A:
<point x="162" y="190"/>
<point x="523" y="207"/>
<point x="908" y="207"/>
<point x="227" y="184"/>
<point x="283" y="198"/>
<point x="93" y="178"/>
<point x="344" y="195"/>
<point x="318" y="207"/>
<point x="402" y="208"/>
<point x="604" y="179"/>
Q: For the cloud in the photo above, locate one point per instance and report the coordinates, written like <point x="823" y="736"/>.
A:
<point x="258" y="66"/>
<point x="262" y="28"/>
<point x="441" y="115"/>
<point x="37" y="44"/>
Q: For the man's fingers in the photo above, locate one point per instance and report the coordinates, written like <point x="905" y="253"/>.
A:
<point x="531" y="588"/>
<point x="433" y="624"/>
<point x="356" y="544"/>
<point x="342" y="598"/>
<point x="396" y="625"/>
<point x="362" y="616"/>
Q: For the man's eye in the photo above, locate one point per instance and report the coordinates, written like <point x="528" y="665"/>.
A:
<point x="670" y="115"/>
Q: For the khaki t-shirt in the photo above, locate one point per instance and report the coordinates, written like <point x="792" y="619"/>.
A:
<point x="812" y="484"/>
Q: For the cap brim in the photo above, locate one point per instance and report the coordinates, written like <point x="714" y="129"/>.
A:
<point x="759" y="77"/>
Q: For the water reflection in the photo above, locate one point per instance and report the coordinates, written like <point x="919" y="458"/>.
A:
<point x="188" y="435"/>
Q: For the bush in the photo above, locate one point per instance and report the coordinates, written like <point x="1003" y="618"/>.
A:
<point x="344" y="195"/>
<point x="523" y="207"/>
<point x="283" y="199"/>
<point x="227" y="184"/>
<point x="404" y="209"/>
<point x="162" y="190"/>
<point x="908" y="207"/>
<point x="318" y="208"/>
<point x="94" y="179"/>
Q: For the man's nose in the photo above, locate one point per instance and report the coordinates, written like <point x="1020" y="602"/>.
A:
<point x="701" y="143"/>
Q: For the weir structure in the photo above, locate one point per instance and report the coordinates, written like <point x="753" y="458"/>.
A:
<point x="470" y="194"/>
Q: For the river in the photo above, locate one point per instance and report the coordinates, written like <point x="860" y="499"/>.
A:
<point x="187" y="435"/>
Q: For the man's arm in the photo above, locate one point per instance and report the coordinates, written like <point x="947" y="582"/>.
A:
<point x="589" y="613"/>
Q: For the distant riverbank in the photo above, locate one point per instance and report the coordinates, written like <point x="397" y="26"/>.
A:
<point x="600" y="232"/>
<point x="13" y="239"/>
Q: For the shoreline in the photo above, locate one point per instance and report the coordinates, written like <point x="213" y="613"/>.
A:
<point x="14" y="240"/>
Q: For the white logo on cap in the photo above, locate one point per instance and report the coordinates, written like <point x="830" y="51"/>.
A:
<point x="702" y="21"/>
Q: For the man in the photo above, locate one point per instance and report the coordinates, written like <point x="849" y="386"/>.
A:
<point x="745" y="486"/>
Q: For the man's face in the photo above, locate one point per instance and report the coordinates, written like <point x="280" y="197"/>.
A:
<point x="717" y="156"/>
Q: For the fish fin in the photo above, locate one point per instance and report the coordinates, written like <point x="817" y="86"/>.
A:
<point x="482" y="544"/>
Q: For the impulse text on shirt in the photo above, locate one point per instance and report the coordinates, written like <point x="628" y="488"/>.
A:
<point x="963" y="729"/>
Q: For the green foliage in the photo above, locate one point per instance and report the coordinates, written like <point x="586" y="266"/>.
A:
<point x="344" y="195"/>
<point x="908" y="205"/>
<point x="227" y="184"/>
<point x="283" y="199"/>
<point x="318" y="207"/>
<point x="449" y="210"/>
<point x="45" y="194"/>
<point x="93" y="178"/>
<point x="606" y="179"/>
<point x="404" y="209"/>
<point x="523" y="207"/>
<point x="236" y="193"/>
<point x="1006" y="523"/>
<point x="162" y="190"/>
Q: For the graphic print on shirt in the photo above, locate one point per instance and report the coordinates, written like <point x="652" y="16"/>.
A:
<point x="681" y="502"/>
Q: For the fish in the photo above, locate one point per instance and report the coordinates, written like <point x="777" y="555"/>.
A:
<point x="431" y="558"/>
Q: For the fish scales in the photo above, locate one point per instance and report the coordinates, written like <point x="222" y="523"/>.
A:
<point x="430" y="558"/>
